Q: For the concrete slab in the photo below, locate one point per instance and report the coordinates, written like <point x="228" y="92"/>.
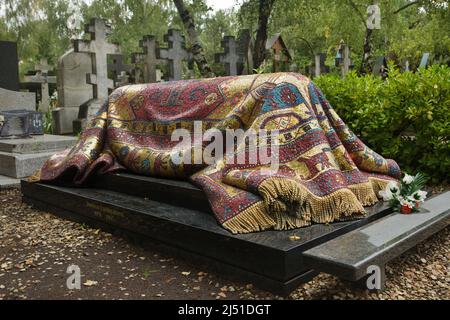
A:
<point x="35" y="144"/>
<point x="8" y="182"/>
<point x="18" y="165"/>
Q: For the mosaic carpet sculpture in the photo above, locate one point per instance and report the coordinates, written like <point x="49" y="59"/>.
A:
<point x="325" y="172"/>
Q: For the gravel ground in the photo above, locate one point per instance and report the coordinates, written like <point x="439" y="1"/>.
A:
<point x="36" y="248"/>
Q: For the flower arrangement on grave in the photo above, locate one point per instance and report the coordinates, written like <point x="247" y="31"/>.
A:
<point x="407" y="195"/>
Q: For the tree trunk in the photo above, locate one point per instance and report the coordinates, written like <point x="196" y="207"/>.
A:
<point x="196" y="46"/>
<point x="366" y="62"/>
<point x="259" y="53"/>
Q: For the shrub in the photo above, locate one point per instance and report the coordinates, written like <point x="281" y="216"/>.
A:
<point x="405" y="117"/>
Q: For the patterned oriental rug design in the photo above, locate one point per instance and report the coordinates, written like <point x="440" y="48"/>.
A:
<point x="325" y="172"/>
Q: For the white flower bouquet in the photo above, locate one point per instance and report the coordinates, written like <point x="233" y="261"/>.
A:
<point x="407" y="195"/>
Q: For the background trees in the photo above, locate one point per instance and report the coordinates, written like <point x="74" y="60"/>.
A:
<point x="408" y="27"/>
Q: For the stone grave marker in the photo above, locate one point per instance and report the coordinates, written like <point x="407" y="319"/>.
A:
<point x="175" y="54"/>
<point x="99" y="48"/>
<point x="245" y="42"/>
<point x="44" y="80"/>
<point x="232" y="58"/>
<point x="72" y="88"/>
<point x="116" y="67"/>
<point x="380" y="67"/>
<point x="21" y="157"/>
<point x="146" y="63"/>
<point x="9" y="75"/>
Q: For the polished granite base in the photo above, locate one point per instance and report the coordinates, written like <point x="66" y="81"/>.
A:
<point x="350" y="255"/>
<point x="176" y="215"/>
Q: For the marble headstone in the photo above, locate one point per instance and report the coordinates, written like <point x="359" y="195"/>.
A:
<point x="175" y="54"/>
<point x="73" y="90"/>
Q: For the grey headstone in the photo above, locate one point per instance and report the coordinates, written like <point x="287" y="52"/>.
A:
<point x="233" y="59"/>
<point x="99" y="48"/>
<point x="116" y="67"/>
<point x="43" y="79"/>
<point x="176" y="53"/>
<point x="73" y="90"/>
<point x="14" y="100"/>
<point x="380" y="67"/>
<point x="146" y="62"/>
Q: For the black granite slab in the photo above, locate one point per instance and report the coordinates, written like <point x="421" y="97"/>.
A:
<point x="376" y="243"/>
<point x="179" y="193"/>
<point x="269" y="257"/>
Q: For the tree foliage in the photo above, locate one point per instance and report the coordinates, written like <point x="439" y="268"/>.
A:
<point x="408" y="28"/>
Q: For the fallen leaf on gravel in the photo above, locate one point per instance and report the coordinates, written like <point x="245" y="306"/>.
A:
<point x="90" y="283"/>
<point x="186" y="273"/>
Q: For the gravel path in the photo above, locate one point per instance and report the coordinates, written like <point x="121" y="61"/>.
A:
<point x="36" y="248"/>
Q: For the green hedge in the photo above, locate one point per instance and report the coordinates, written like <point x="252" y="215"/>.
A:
<point x="405" y="117"/>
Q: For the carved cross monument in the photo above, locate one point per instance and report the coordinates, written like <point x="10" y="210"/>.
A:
<point x="147" y="60"/>
<point x="116" y="67"/>
<point x="99" y="48"/>
<point x="175" y="54"/>
<point x="44" y="79"/>
<point x="231" y="58"/>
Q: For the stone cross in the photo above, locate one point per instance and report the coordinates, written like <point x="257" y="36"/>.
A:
<point x="175" y="54"/>
<point x="99" y="48"/>
<point x="117" y="66"/>
<point x="44" y="79"/>
<point x="147" y="59"/>
<point x="122" y="79"/>
<point x="231" y="58"/>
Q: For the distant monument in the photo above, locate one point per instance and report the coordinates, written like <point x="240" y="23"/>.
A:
<point x="175" y="54"/>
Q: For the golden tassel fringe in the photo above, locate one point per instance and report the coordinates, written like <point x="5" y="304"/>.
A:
<point x="309" y="207"/>
<point x="35" y="177"/>
<point x="365" y="193"/>
<point x="254" y="218"/>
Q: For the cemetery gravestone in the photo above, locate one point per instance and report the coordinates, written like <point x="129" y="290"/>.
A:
<point x="99" y="48"/>
<point x="232" y="59"/>
<point x="117" y="68"/>
<point x="380" y="67"/>
<point x="175" y="54"/>
<point x="43" y="79"/>
<point x="21" y="157"/>
<point x="72" y="88"/>
<point x="146" y="62"/>
<point x="17" y="109"/>
<point x="9" y="77"/>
